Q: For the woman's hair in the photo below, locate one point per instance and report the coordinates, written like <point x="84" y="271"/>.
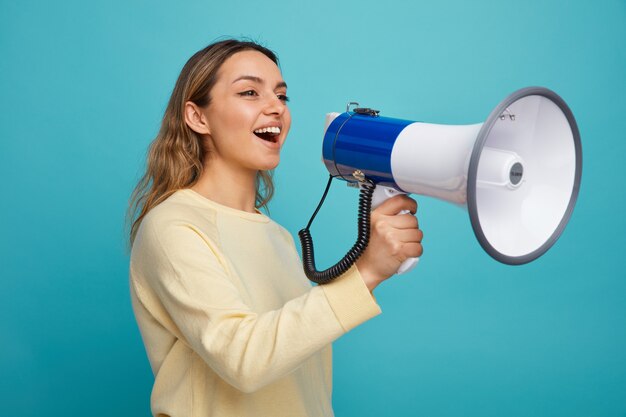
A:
<point x="176" y="157"/>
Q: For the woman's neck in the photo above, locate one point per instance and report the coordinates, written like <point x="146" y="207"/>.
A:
<point x="235" y="188"/>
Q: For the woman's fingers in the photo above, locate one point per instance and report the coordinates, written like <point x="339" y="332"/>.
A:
<point x="406" y="236"/>
<point x="403" y="243"/>
<point x="396" y="204"/>
<point x="402" y="221"/>
<point x="394" y="238"/>
<point x="412" y="250"/>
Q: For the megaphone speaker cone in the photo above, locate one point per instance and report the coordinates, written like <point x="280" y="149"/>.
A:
<point x="524" y="175"/>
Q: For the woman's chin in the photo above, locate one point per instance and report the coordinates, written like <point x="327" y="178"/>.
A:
<point x="269" y="164"/>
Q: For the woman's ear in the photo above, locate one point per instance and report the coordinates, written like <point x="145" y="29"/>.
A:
<point x="195" y="119"/>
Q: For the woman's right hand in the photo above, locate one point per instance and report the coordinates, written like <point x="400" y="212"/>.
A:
<point x="393" y="239"/>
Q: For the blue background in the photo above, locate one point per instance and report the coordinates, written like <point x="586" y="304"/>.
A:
<point x="84" y="85"/>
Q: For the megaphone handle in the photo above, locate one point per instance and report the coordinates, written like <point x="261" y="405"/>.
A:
<point x="382" y="194"/>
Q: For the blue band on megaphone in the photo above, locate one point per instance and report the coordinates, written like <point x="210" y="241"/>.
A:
<point x="364" y="142"/>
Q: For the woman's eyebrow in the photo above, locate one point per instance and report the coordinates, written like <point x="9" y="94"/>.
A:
<point x="259" y="80"/>
<point x="250" y="78"/>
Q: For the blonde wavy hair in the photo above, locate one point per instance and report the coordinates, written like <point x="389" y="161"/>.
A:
<point x="176" y="157"/>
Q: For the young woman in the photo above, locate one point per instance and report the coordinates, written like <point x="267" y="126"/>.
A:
<point x="231" y="325"/>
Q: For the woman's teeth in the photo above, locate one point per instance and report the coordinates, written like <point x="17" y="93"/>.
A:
<point x="275" y="130"/>
<point x="269" y="134"/>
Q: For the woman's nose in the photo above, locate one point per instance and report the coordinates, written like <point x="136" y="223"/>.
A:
<point x="275" y="105"/>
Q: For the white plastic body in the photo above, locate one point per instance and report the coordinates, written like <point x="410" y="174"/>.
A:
<point x="382" y="194"/>
<point x="433" y="160"/>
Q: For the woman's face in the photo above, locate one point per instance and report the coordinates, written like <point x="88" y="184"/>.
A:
<point x="247" y="117"/>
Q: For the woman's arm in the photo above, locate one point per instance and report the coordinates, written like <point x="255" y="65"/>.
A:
<point x="182" y="279"/>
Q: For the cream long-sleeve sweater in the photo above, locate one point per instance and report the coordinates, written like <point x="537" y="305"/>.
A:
<point x="230" y="323"/>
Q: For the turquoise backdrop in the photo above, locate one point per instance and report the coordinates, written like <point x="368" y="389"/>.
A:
<point x="83" y="86"/>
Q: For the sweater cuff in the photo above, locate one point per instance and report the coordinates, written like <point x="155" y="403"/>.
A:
<point x="350" y="299"/>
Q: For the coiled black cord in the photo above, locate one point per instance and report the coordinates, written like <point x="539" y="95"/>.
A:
<point x="308" y="256"/>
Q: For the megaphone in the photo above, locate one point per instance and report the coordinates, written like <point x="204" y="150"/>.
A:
<point x="517" y="174"/>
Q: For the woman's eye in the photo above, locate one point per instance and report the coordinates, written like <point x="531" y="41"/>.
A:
<point x="248" y="93"/>
<point x="283" y="98"/>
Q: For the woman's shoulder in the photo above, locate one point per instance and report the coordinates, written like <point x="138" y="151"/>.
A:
<point x="178" y="207"/>
<point x="173" y="231"/>
<point x="179" y="211"/>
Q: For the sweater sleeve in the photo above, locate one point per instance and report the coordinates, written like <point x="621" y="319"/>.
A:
<point x="189" y="277"/>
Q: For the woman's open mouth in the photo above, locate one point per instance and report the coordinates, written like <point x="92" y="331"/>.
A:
<point x="269" y="134"/>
